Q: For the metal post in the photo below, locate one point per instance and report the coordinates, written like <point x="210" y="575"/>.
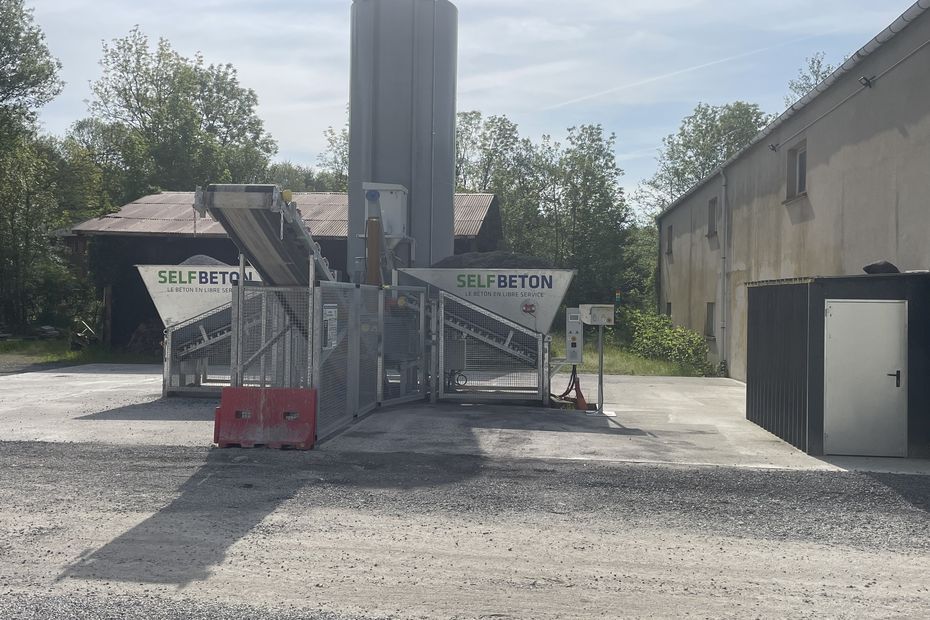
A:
<point x="600" y="369"/>
<point x="238" y="324"/>
<point x="311" y="331"/>
<point x="354" y="326"/>
<point x="380" y="346"/>
<point x="264" y="335"/>
<point x="541" y="369"/>
<point x="600" y="376"/>
<point x="424" y="363"/>
<point x="316" y="342"/>
<point x="435" y="350"/>
<point x="546" y="365"/>
<point x="288" y="370"/>
<point x="166" y="369"/>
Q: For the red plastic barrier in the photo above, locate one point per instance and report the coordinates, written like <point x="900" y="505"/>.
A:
<point x="273" y="417"/>
<point x="289" y="418"/>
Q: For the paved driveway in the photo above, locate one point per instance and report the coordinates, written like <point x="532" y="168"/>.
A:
<point x="673" y="420"/>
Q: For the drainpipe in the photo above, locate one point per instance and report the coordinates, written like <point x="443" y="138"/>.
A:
<point x="724" y="272"/>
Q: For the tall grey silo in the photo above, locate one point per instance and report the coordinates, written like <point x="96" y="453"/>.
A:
<point x="402" y="118"/>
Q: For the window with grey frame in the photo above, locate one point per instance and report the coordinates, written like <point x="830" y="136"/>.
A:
<point x="797" y="171"/>
<point x="668" y="309"/>
<point x="668" y="240"/>
<point x="709" y="321"/>
<point x="712" y="217"/>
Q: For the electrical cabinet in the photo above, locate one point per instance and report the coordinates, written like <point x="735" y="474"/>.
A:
<point x="596" y="314"/>
<point x="574" y="336"/>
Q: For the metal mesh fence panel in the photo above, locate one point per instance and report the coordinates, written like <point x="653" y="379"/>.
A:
<point x="198" y="353"/>
<point x="404" y="355"/>
<point x="485" y="355"/>
<point x="274" y="338"/>
<point x="369" y="345"/>
<point x="336" y="310"/>
<point x="359" y="346"/>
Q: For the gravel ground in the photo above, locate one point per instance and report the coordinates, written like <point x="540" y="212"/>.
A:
<point x="110" y="607"/>
<point x="94" y="531"/>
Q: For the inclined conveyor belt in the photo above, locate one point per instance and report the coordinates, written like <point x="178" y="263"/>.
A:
<point x="268" y="230"/>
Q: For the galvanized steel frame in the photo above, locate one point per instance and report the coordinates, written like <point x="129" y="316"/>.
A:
<point x="541" y="393"/>
<point x="354" y="408"/>
<point x="424" y="362"/>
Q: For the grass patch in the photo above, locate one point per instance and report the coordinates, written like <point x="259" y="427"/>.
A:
<point x="59" y="351"/>
<point x="618" y="361"/>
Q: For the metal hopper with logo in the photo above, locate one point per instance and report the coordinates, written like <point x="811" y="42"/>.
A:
<point x="493" y="327"/>
<point x="528" y="297"/>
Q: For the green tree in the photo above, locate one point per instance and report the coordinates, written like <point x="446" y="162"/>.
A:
<point x="492" y="157"/>
<point x="28" y="214"/>
<point x="29" y="266"/>
<point x="109" y="161"/>
<point x="334" y="160"/>
<point x="196" y="123"/>
<point x="814" y="71"/>
<point x="467" y="135"/>
<point x="294" y="177"/>
<point x="706" y="138"/>
<point x="558" y="201"/>
<point x="483" y="147"/>
<point x="595" y="217"/>
<point x="28" y="72"/>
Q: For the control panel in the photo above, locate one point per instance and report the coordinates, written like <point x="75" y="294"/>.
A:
<point x="597" y="314"/>
<point x="574" y="336"/>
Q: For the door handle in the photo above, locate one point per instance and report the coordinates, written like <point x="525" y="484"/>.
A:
<point x="897" y="378"/>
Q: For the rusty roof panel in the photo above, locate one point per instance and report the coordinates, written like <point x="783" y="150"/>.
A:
<point x="325" y="213"/>
<point x="470" y="212"/>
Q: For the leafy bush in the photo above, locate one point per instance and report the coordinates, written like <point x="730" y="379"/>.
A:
<point x="653" y="336"/>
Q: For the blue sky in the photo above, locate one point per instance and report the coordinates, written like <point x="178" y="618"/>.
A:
<point x="635" y="66"/>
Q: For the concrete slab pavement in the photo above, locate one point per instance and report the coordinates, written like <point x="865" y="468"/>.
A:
<point x="674" y="421"/>
<point x="671" y="420"/>
<point x="663" y="420"/>
<point x="101" y="403"/>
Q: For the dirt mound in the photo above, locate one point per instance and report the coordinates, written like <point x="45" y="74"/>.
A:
<point x="204" y="260"/>
<point x="493" y="260"/>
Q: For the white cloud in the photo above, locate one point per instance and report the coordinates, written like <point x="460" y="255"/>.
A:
<point x="636" y="66"/>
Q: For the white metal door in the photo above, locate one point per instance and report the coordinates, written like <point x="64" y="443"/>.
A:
<point x="865" y="378"/>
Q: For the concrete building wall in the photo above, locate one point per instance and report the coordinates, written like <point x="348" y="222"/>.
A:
<point x="868" y="195"/>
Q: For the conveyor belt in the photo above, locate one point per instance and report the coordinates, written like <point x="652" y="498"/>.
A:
<point x="267" y="230"/>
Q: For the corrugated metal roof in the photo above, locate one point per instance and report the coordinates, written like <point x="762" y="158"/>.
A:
<point x="913" y="12"/>
<point x="325" y="213"/>
<point x="470" y="212"/>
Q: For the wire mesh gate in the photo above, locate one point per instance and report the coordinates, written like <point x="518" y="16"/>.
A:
<point x="370" y="348"/>
<point x="359" y="346"/>
<point x="198" y="354"/>
<point x="271" y="337"/>
<point x="485" y="356"/>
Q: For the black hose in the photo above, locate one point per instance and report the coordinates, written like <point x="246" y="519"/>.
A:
<point x="572" y="382"/>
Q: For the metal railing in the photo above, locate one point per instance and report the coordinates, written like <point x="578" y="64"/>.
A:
<point x="404" y="363"/>
<point x="359" y="346"/>
<point x="271" y="337"/>
<point x="197" y="354"/>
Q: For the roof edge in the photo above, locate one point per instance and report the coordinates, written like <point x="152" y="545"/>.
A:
<point x="913" y="12"/>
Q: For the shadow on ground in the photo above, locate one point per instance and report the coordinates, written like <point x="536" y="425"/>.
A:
<point x="547" y="420"/>
<point x="220" y="504"/>
<point x="917" y="495"/>
<point x="163" y="409"/>
<point x="233" y="491"/>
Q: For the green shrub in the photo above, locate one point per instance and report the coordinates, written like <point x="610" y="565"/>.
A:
<point x="653" y="336"/>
